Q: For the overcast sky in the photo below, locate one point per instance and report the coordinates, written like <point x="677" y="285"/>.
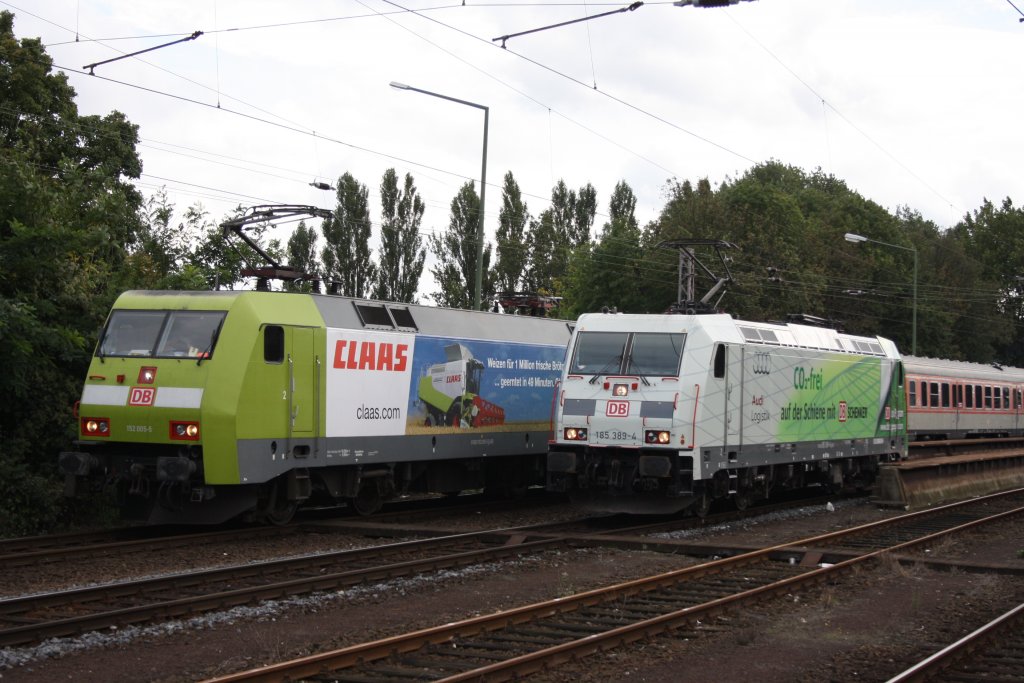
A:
<point x="916" y="102"/>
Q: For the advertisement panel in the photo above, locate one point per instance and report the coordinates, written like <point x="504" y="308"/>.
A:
<point x="384" y="384"/>
<point x="368" y="375"/>
<point x="797" y="397"/>
<point x="487" y="385"/>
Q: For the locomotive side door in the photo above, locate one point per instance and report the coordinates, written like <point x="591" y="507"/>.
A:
<point x="728" y="381"/>
<point x="733" y="399"/>
<point x="303" y="373"/>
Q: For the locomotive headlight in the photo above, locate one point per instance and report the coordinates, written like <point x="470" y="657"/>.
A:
<point x="659" y="437"/>
<point x="620" y="390"/>
<point x="184" y="431"/>
<point x="147" y="375"/>
<point x="95" y="426"/>
<point x="575" y="434"/>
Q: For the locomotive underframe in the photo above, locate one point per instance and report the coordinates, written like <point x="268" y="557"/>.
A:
<point x="661" y="481"/>
<point x="160" y="483"/>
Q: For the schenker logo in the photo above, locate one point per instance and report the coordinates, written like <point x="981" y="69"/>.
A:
<point x="368" y="355"/>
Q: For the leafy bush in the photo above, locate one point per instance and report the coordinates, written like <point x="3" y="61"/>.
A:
<point x="29" y="504"/>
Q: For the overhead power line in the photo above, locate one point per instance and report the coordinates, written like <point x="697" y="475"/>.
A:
<point x="92" y="66"/>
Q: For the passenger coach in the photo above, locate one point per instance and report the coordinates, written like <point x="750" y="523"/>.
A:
<point x="956" y="400"/>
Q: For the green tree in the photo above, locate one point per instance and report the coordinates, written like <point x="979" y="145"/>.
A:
<point x="990" y="242"/>
<point x="560" y="229"/>
<point x="512" y="252"/>
<point x="302" y="255"/>
<point x="68" y="218"/>
<point x="689" y="212"/>
<point x="401" y="253"/>
<point x="346" y="254"/>
<point x="608" y="273"/>
<point x="456" y="253"/>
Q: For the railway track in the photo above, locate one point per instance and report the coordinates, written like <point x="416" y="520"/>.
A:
<point x="36" y="550"/>
<point x="525" y="640"/>
<point x="994" y="652"/>
<point x="30" y="619"/>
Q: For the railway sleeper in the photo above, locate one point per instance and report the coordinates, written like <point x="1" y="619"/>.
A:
<point x="431" y="662"/>
<point x="469" y="653"/>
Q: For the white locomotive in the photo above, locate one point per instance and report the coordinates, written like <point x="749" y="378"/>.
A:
<point x="657" y="413"/>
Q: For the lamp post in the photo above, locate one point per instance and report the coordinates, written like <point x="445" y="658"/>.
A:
<point x="478" y="285"/>
<point x="857" y="239"/>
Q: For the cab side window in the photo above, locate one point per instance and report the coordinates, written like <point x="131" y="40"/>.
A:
<point x="273" y="344"/>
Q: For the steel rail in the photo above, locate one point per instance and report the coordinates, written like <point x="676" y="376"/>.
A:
<point x="212" y="594"/>
<point x="319" y="664"/>
<point x="39" y="549"/>
<point x="956" y="652"/>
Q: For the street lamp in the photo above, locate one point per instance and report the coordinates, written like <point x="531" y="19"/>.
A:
<point x="857" y="239"/>
<point x="483" y="186"/>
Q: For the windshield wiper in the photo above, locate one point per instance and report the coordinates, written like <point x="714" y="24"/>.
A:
<point x="209" y="349"/>
<point x="617" y="360"/>
<point x="639" y="371"/>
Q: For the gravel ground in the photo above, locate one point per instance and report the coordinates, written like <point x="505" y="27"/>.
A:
<point x="865" y="628"/>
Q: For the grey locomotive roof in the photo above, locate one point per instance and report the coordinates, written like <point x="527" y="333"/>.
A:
<point x="961" y="369"/>
<point x="343" y="312"/>
<point x="364" y="314"/>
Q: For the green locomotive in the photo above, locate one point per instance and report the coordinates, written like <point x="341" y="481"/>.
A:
<point x="203" y="406"/>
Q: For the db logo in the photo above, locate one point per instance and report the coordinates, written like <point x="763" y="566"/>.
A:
<point x="888" y="413"/>
<point x="141" y="396"/>
<point x="842" y="411"/>
<point x="617" y="409"/>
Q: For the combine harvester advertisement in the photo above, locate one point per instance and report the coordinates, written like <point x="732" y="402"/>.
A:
<point x="419" y="384"/>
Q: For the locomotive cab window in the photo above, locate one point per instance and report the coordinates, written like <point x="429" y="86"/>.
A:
<point x="190" y="334"/>
<point x="720" y="362"/>
<point x="655" y="354"/>
<point x="131" y="333"/>
<point x="161" y="334"/>
<point x="273" y="344"/>
<point x="634" y="353"/>
<point x="599" y="353"/>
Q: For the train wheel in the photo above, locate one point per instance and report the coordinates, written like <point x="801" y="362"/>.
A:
<point x="277" y="509"/>
<point x="702" y="506"/>
<point x="369" y="499"/>
<point x="742" y="501"/>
